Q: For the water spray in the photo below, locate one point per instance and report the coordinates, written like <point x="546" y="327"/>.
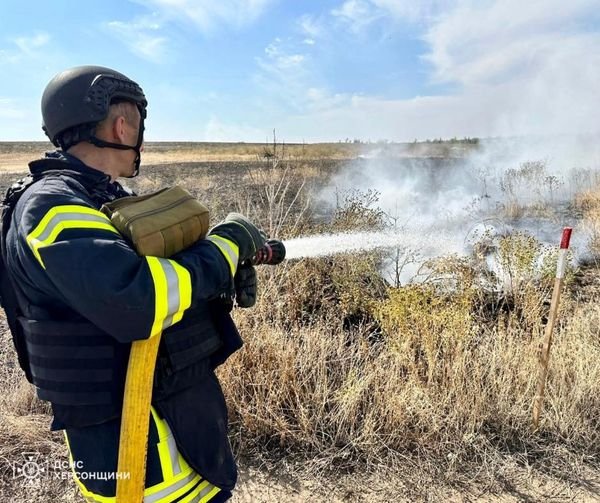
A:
<point x="429" y="242"/>
<point x="274" y="251"/>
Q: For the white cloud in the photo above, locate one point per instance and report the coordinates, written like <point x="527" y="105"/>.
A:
<point x="9" y="57"/>
<point x="357" y="14"/>
<point x="27" y="46"/>
<point x="279" y="61"/>
<point x="310" y="26"/>
<point x="534" y="63"/>
<point x="411" y="10"/>
<point x="31" y="45"/>
<point x="142" y="36"/>
<point x="284" y="74"/>
<point x="207" y="15"/>
<point x="498" y="37"/>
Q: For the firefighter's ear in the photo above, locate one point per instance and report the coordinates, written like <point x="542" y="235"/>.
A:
<point x="119" y="129"/>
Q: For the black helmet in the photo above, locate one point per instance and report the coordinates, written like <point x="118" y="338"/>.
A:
<point x="75" y="100"/>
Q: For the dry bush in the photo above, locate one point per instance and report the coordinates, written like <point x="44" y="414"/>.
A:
<point x="588" y="203"/>
<point x="275" y="196"/>
<point x="357" y="210"/>
<point x="29" y="434"/>
<point x="528" y="190"/>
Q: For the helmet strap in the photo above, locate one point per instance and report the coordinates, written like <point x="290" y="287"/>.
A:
<point x="119" y="146"/>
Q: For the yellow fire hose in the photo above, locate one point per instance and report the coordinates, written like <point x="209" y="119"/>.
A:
<point x="157" y="225"/>
<point x="135" y="421"/>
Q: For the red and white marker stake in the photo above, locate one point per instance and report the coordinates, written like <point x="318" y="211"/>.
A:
<point x="545" y="352"/>
<point x="562" y="253"/>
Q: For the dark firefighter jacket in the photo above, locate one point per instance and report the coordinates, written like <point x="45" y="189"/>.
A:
<point x="88" y="295"/>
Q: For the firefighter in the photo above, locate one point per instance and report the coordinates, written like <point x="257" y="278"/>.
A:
<point x="77" y="294"/>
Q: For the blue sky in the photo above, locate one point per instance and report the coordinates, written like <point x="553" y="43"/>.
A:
<point x="317" y="71"/>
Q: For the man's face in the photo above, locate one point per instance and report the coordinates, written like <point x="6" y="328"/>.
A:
<point x="122" y="127"/>
<point x="132" y="128"/>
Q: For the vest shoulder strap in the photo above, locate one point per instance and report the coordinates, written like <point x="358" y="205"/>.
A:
<point x="11" y="300"/>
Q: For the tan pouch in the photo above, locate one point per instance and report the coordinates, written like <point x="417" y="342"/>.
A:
<point x="159" y="224"/>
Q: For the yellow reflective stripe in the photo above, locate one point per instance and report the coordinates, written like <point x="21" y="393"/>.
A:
<point x="166" y="464"/>
<point x="167" y="448"/>
<point x="68" y="208"/>
<point x="64" y="217"/>
<point x="183" y="463"/>
<point x="228" y="249"/>
<point x="210" y="494"/>
<point x="204" y="492"/>
<point x="160" y="294"/>
<point x="151" y="495"/>
<point x="174" y="490"/>
<point x="160" y="425"/>
<point x="165" y="492"/>
<point x="185" y="290"/>
<point x="172" y="292"/>
<point x="165" y="460"/>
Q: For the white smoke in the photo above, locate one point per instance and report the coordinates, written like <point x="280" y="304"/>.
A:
<point x="443" y="206"/>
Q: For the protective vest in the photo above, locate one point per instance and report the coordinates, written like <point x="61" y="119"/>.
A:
<point x="81" y="369"/>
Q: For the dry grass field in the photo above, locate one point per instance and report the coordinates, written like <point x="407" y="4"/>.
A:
<point x="350" y="388"/>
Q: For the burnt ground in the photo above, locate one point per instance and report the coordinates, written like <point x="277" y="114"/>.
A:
<point x="224" y="173"/>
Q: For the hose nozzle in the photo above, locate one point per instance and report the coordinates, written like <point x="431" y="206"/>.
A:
<point x="272" y="253"/>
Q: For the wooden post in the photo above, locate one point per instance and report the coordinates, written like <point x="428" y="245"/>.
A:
<point x="545" y="352"/>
